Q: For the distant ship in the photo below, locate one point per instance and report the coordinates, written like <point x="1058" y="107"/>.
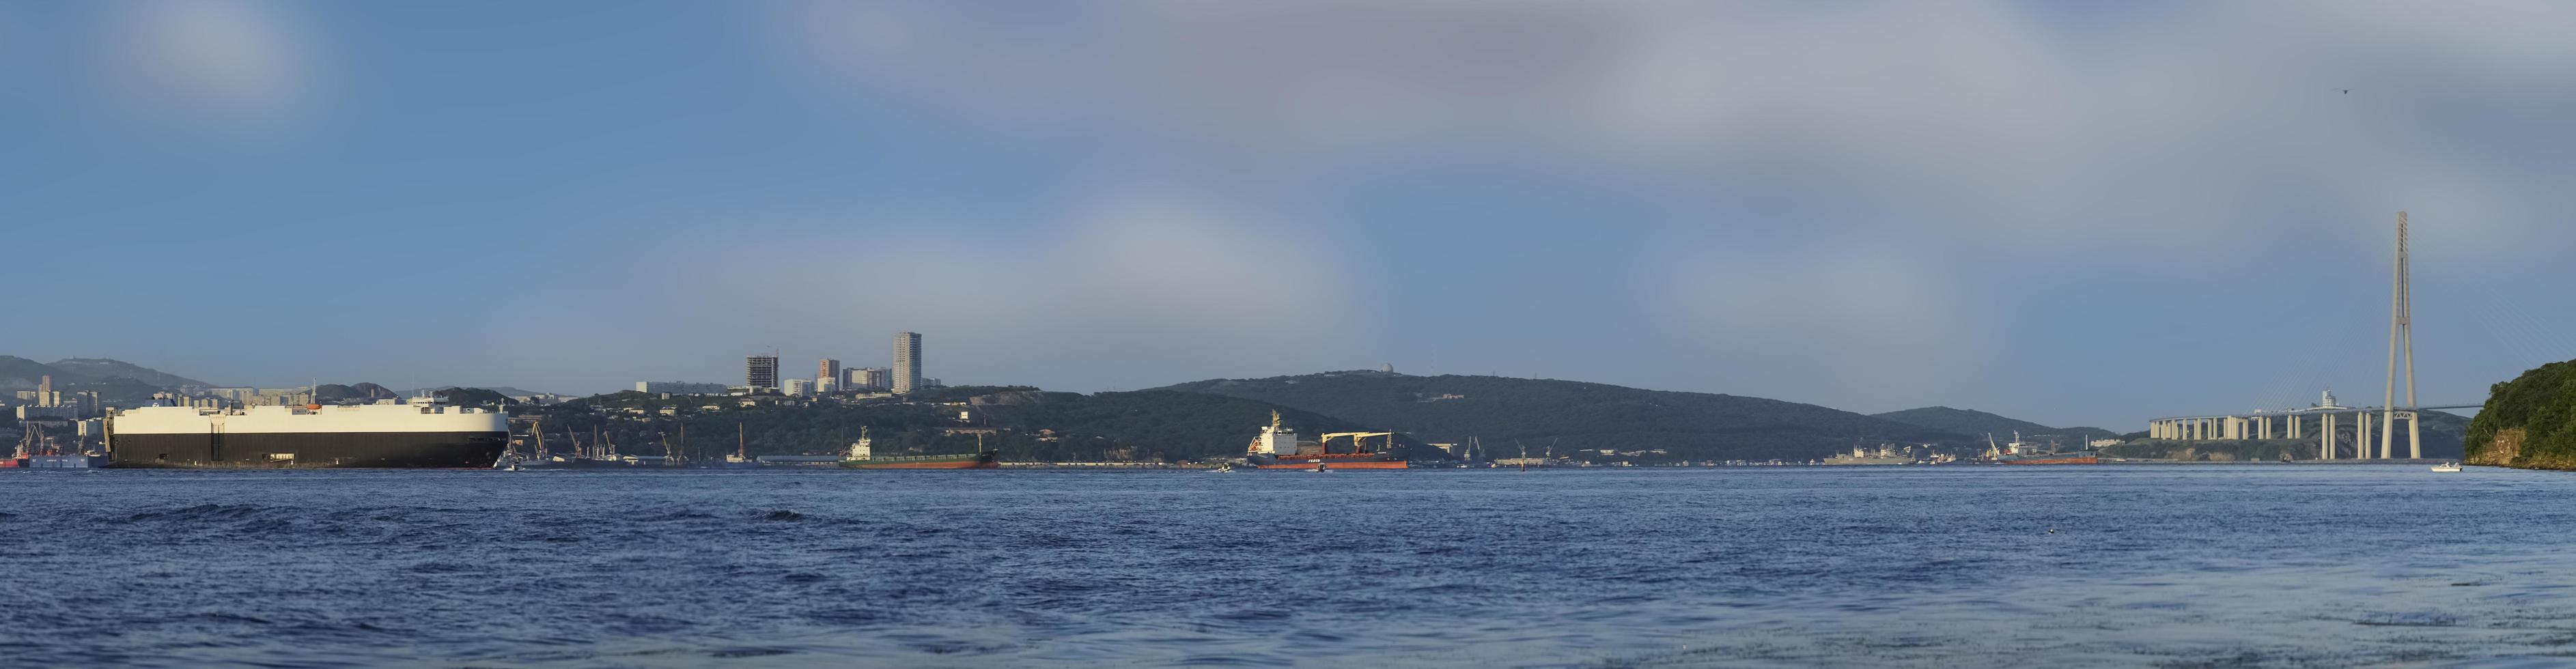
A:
<point x="2021" y="453"/>
<point x="1885" y="454"/>
<point x="863" y="456"/>
<point x="1277" y="447"/>
<point x="36" y="450"/>
<point x="387" y="434"/>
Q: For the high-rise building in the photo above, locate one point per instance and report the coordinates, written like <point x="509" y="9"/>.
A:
<point x="760" y="371"/>
<point x="874" y="378"/>
<point x="797" y="387"/>
<point x="827" y="373"/>
<point x="45" y="396"/>
<point x="907" y="361"/>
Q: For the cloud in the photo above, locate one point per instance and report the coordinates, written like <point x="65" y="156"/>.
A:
<point x="2146" y="148"/>
<point x="210" y="65"/>
<point x="2026" y="124"/>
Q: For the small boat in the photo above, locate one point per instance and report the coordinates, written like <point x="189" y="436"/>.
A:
<point x="1224" y="468"/>
<point x="1319" y="467"/>
<point x="2447" y="467"/>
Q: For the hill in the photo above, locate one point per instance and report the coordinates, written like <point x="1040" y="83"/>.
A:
<point x="361" y="392"/>
<point x="1978" y="424"/>
<point x="2528" y="422"/>
<point x="18" y="373"/>
<point x="1028" y="425"/>
<point x="1573" y="415"/>
<point x="505" y="391"/>
<point x="1964" y="421"/>
<point x="97" y="370"/>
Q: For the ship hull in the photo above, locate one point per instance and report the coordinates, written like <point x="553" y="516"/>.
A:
<point x="1362" y="461"/>
<point x="2058" y="459"/>
<point x="310" y="450"/>
<point x="1332" y="465"/>
<point x="65" y="462"/>
<point x="960" y="461"/>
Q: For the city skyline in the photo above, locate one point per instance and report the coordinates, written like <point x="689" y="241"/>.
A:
<point x="2086" y="214"/>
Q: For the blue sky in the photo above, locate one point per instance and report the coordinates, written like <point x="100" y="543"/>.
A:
<point x="2081" y="215"/>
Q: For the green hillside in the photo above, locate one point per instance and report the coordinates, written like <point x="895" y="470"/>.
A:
<point x="1573" y="415"/>
<point x="2529" y="421"/>
<point x="1964" y="421"/>
<point x="1977" y="424"/>
<point x="1030" y="425"/>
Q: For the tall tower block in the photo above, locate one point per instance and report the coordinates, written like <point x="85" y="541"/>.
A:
<point x="907" y="361"/>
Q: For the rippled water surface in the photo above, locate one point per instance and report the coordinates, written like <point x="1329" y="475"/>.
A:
<point x="2248" y="565"/>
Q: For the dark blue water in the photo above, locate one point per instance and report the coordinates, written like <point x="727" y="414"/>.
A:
<point x="2248" y="565"/>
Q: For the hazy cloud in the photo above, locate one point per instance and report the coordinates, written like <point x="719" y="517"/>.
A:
<point x="210" y="65"/>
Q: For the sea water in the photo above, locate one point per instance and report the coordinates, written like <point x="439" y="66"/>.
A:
<point x="2192" y="565"/>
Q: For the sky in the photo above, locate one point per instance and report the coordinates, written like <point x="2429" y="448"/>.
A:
<point x="2071" y="213"/>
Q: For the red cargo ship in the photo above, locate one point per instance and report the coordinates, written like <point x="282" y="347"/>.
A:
<point x="1278" y="448"/>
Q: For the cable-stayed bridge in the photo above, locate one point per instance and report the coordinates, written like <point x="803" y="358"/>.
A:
<point x="2320" y="420"/>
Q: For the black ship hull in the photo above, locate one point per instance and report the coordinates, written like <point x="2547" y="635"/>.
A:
<point x="309" y="450"/>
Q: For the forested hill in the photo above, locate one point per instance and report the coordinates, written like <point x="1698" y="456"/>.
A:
<point x="18" y="373"/>
<point x="102" y="369"/>
<point x="2529" y="421"/>
<point x="1976" y="423"/>
<point x="1573" y="415"/>
<point x="1031" y="425"/>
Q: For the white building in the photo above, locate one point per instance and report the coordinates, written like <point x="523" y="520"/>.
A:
<point x="796" y="387"/>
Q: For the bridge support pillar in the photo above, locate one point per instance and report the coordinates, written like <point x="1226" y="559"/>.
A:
<point x="2361" y="434"/>
<point x="2414" y="431"/>
<point x="2325" y="437"/>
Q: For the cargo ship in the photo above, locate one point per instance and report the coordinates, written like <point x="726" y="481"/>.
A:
<point x="2020" y="453"/>
<point x="1277" y="447"/>
<point x="387" y="434"/>
<point x="863" y="456"/>
<point x="1885" y="454"/>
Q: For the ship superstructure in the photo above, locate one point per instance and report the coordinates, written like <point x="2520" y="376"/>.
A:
<point x="387" y="434"/>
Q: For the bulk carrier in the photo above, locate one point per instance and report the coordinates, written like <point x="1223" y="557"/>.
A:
<point x="387" y="434"/>
<point x="863" y="456"/>
<point x="1277" y="447"/>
